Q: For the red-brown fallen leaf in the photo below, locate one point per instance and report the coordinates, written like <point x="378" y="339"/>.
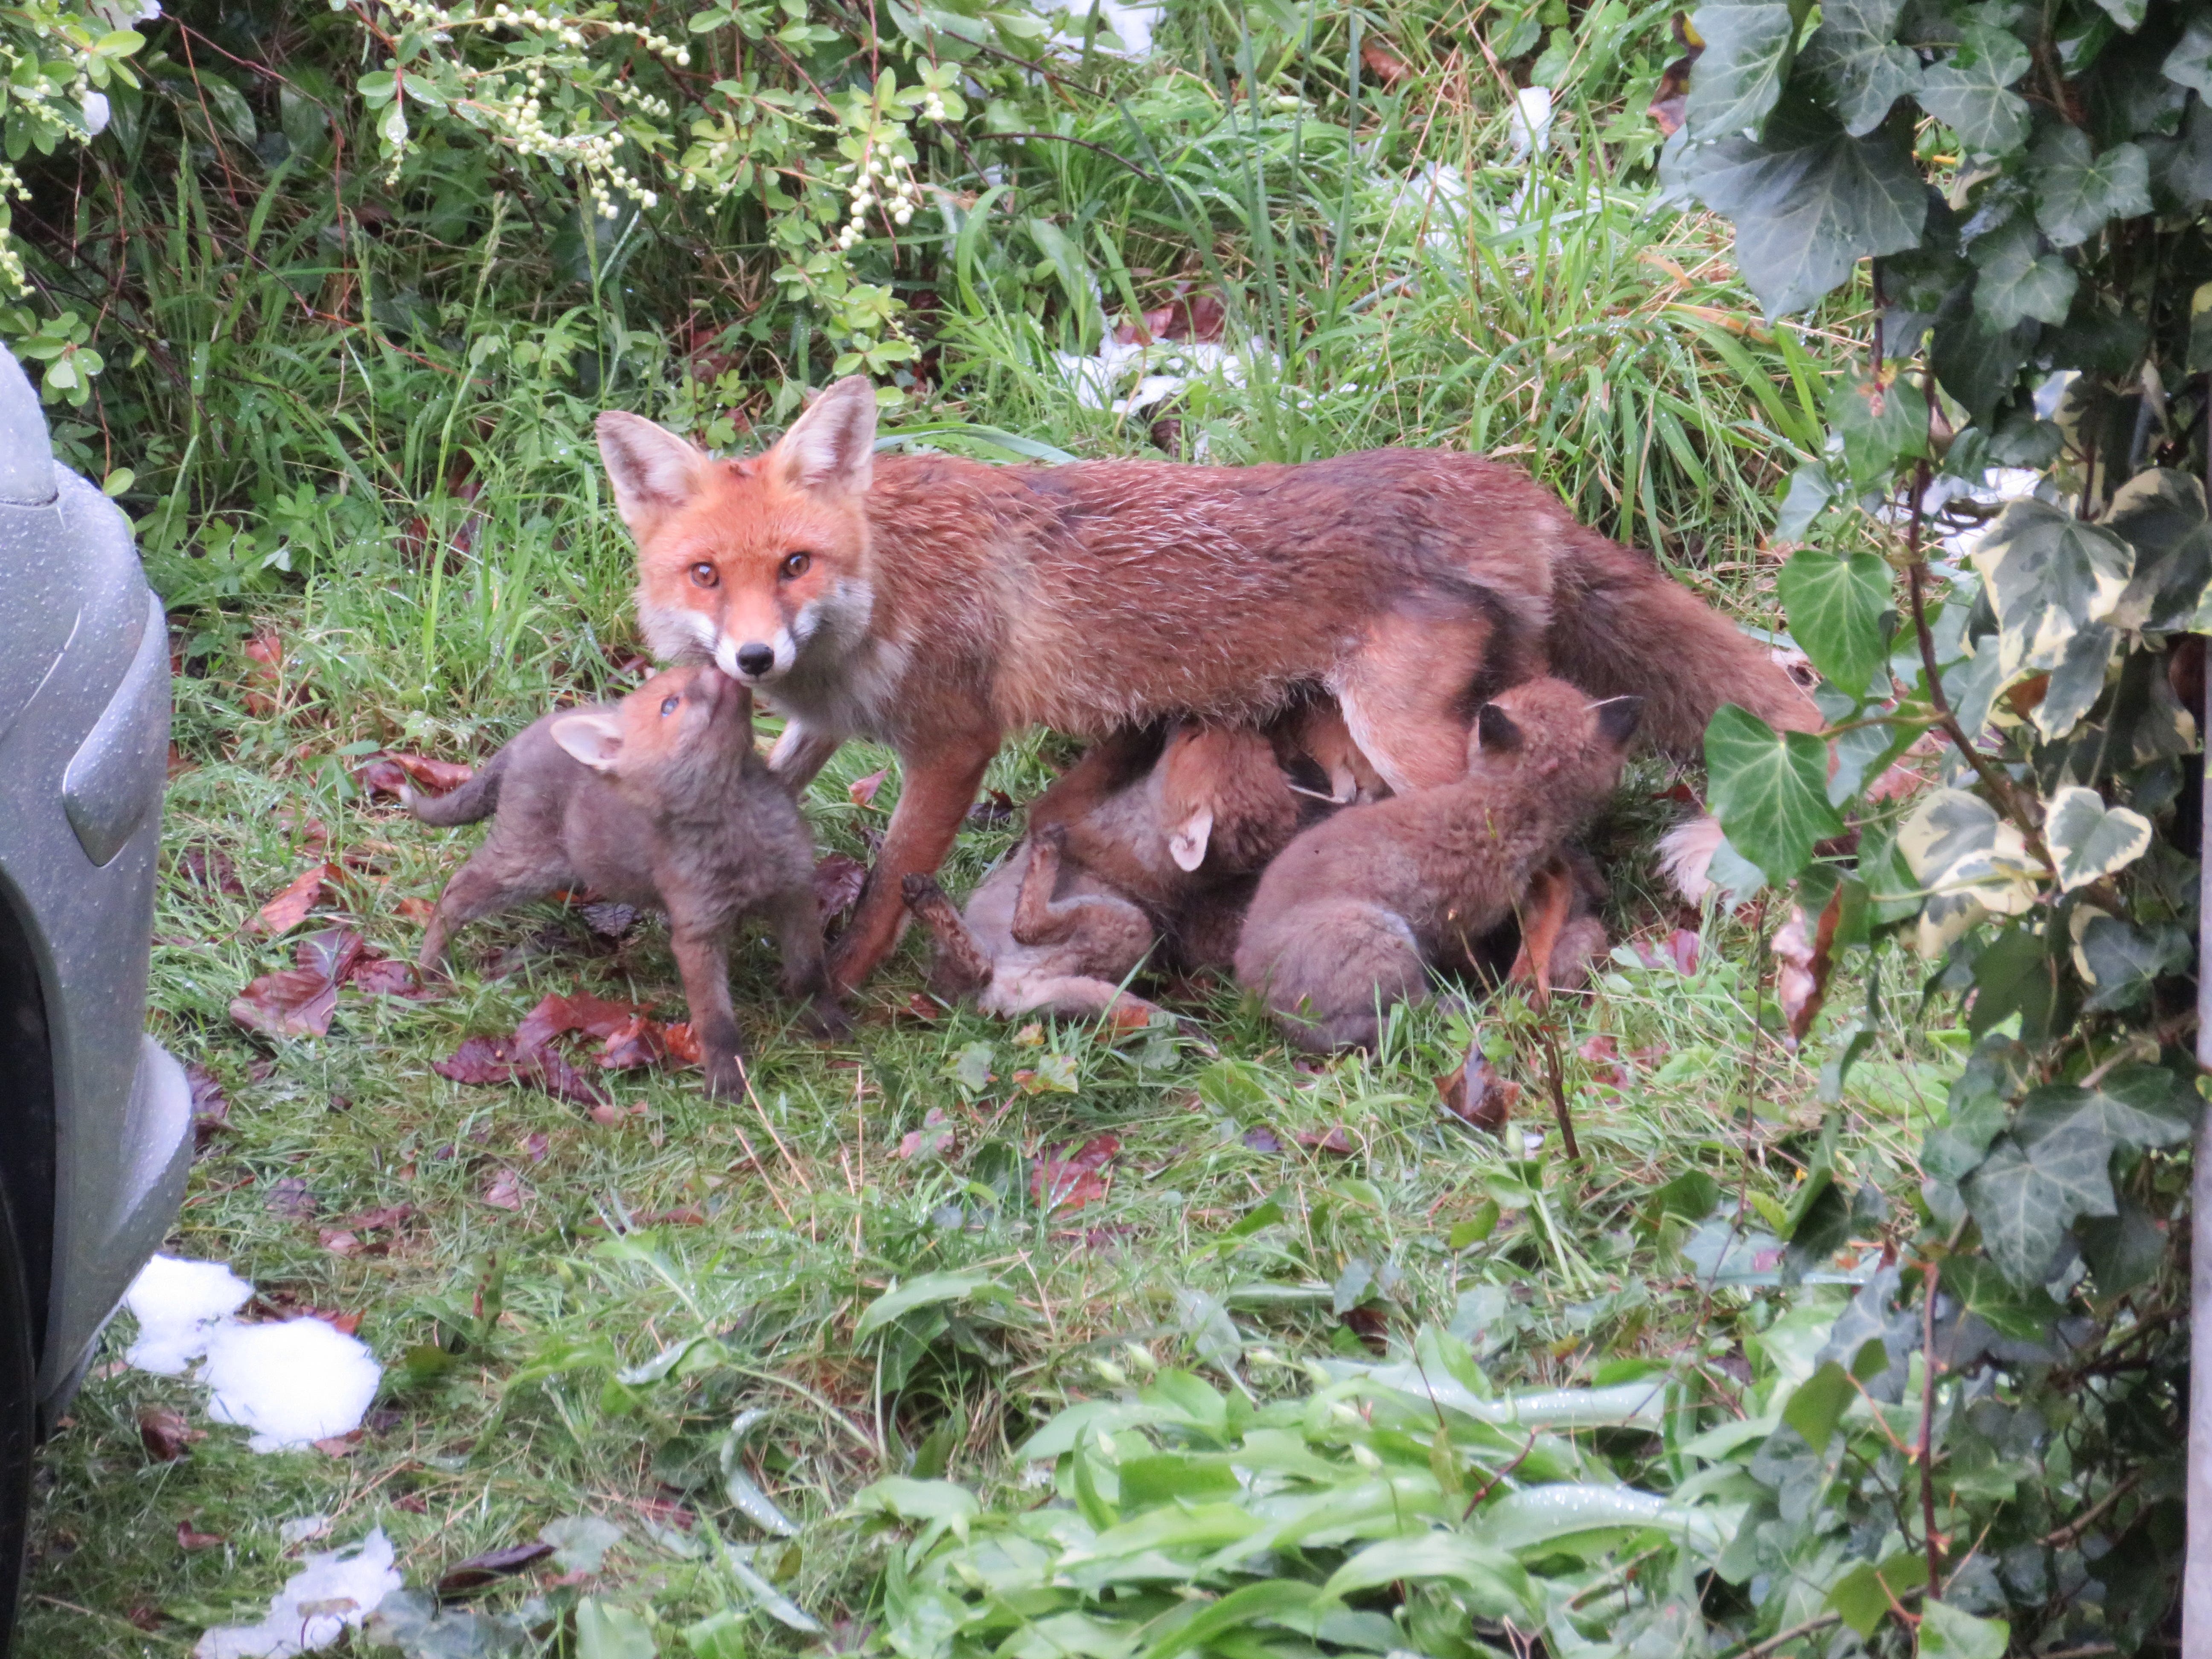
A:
<point x="1544" y="910"/>
<point x="917" y="1006"/>
<point x="492" y="1565"/>
<point x="341" y="1445"/>
<point x="381" y="776"/>
<point x="1338" y="1141"/>
<point x="637" y="1041"/>
<point x="1261" y="1138"/>
<point x="1197" y="317"/>
<point x="555" y="1016"/>
<point x="683" y="1045"/>
<point x="683" y="1215"/>
<point x="862" y="791"/>
<point x="210" y="1106"/>
<point x="211" y="869"/>
<point x="294" y="1002"/>
<point x="146" y="1617"/>
<point x="935" y="1139"/>
<point x="1670" y="101"/>
<point x="417" y="909"/>
<point x="1382" y="61"/>
<point x="414" y="1502"/>
<point x="290" y="1197"/>
<point x="1070" y="1183"/>
<point x="1603" y="1055"/>
<point x="535" y="1146"/>
<point x="505" y="1191"/>
<point x="435" y="775"/>
<point x="290" y="907"/>
<point x="1803" y="953"/>
<point x="838" y="880"/>
<point x="338" y="1242"/>
<point x="187" y="1538"/>
<point x="996" y="807"/>
<point x="484" y="1059"/>
<point x="1477" y="1096"/>
<point x="1683" y="945"/>
<point x="1680" y="793"/>
<point x="607" y="1114"/>
<point x="384" y="976"/>
<point x="264" y="672"/>
<point x="381" y="1220"/>
<point x="344" y="1324"/>
<point x="165" y="1434"/>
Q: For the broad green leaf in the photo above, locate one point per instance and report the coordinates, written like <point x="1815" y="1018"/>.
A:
<point x="2047" y="573"/>
<point x="2160" y="513"/>
<point x="2089" y="839"/>
<point x="1984" y="1292"/>
<point x="2077" y="193"/>
<point x="1945" y="1632"/>
<point x="1853" y="56"/>
<point x="736" y="1561"/>
<point x="1740" y="74"/>
<point x="1810" y="491"/>
<point x="1770" y="790"/>
<point x="1538" y="1515"/>
<point x="580" y="1542"/>
<point x="2025" y="1197"/>
<point x="1808" y="201"/>
<point x="719" y="1635"/>
<point x="605" y="1630"/>
<point x="756" y="1506"/>
<point x="1882" y="421"/>
<point x="925" y="1291"/>
<point x="2123" y="962"/>
<point x="1866" y="1593"/>
<point x="391" y="125"/>
<point x="2077" y="681"/>
<point x="918" y="1500"/>
<point x="1955" y="844"/>
<point x="2017" y="280"/>
<point x="2190" y="62"/>
<point x="1818" y="1404"/>
<point x="1161" y="1478"/>
<point x="1254" y="1604"/>
<point x="2138" y="1106"/>
<point x="971" y="1068"/>
<point x="2128" y="14"/>
<point x="1970" y="90"/>
<point x="1499" y="1586"/>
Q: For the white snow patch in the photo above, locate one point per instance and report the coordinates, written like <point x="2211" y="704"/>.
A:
<point x="291" y="1383"/>
<point x="332" y="1594"/>
<point x="178" y="1304"/>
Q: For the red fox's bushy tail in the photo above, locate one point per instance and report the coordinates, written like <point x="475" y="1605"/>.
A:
<point x="1622" y="627"/>
<point x="476" y="799"/>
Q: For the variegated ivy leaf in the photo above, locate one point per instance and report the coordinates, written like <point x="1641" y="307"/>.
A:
<point x="2047" y="574"/>
<point x="2160" y="513"/>
<point x="2089" y="839"/>
<point x="1956" y="845"/>
<point x="2076" y="682"/>
<point x="1945" y="919"/>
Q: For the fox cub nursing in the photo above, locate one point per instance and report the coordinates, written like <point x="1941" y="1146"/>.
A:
<point x="658" y="800"/>
<point x="1355" y="912"/>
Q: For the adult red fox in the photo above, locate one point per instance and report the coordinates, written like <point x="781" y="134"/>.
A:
<point x="936" y="603"/>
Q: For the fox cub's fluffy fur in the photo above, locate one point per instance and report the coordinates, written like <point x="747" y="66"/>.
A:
<point x="658" y="799"/>
<point x="1356" y="912"/>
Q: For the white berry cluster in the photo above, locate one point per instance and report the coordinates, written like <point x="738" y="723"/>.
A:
<point x="880" y="179"/>
<point x="11" y="262"/>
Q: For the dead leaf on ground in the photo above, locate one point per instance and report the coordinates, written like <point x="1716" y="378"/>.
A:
<point x="935" y="1139"/>
<point x="1603" y="1055"/>
<point x="1382" y="60"/>
<point x="1803" y="951"/>
<point x="556" y="1015"/>
<point x="1477" y="1096"/>
<point x="187" y="1538"/>
<point x="390" y="1216"/>
<point x="1261" y="1138"/>
<point x="414" y="1502"/>
<point x="994" y="808"/>
<point x="436" y="776"/>
<point x="338" y="1242"/>
<point x="1064" y="1183"/>
<point x="862" y="791"/>
<point x="381" y="776"/>
<point x="165" y="1434"/>
<point x="637" y="1041"/>
<point x="264" y="672"/>
<point x="341" y="1445"/>
<point x="417" y="909"/>
<point x="536" y="1145"/>
<point x="291" y="907"/>
<point x="299" y="1001"/>
<point x="483" y="1060"/>
<point x="1544" y="909"/>
<point x="1338" y="1141"/>
<point x="210" y="869"/>
<point x="210" y="1106"/>
<point x="1669" y="103"/>
<point x="386" y="976"/>
<point x="290" y="1197"/>
<point x="489" y="1567"/>
<point x="609" y="919"/>
<point x="1199" y="318"/>
<point x="1683" y="945"/>
<point x="504" y="1191"/>
<point x="838" y="879"/>
<point x="683" y="1045"/>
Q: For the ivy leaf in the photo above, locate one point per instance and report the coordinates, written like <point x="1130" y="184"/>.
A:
<point x="2089" y="839"/>
<point x="2046" y="573"/>
<point x="1970" y="90"/>
<point x="2025" y="1197"/>
<point x="1740" y="75"/>
<point x="1882" y="423"/>
<point x="1982" y="1291"/>
<point x="2190" y="62"/>
<point x="2018" y="280"/>
<point x="2076" y="682"/>
<point x="2128" y="14"/>
<point x="2160" y="513"/>
<point x="2134" y="1106"/>
<point x="2123" y="962"/>
<point x="1809" y="201"/>
<point x="2077" y="194"/>
<point x="1956" y="844"/>
<point x="1835" y="604"/>
<point x="1818" y="1404"/>
<point x="1810" y="491"/>
<point x="1864" y="1596"/>
<point x="1770" y="790"/>
<point x="1854" y="58"/>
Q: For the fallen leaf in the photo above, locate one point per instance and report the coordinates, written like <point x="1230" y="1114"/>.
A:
<point x="264" y="672"/>
<point x="210" y="1106"/>
<point x="1543" y="910"/>
<point x="535" y="1146"/>
<point x="607" y="1114"/>
<point x="684" y="1046"/>
<point x="683" y="1215"/>
<point x="1070" y="1183"/>
<point x="1201" y="317"/>
<point x="637" y="1041"/>
<point x="862" y="791"/>
<point x="555" y="1016"/>
<point x="383" y="776"/>
<point x="1382" y="61"/>
<point x="1603" y="1055"/>
<point x="1338" y="1141"/>
<point x="935" y="1139"/>
<point x="1670" y="100"/>
<point x="299" y="1001"/>
<point x="1477" y="1096"/>
<point x="919" y="1006"/>
<point x="384" y="976"/>
<point x="165" y="1434"/>
<point x="211" y="869"/>
<point x="609" y="921"/>
<point x="994" y="808"/>
<point x="483" y="1061"/>
<point x="492" y="1565"/>
<point x="505" y="1191"/>
<point x="1683" y="945"/>
<point x="340" y="1243"/>
<point x="435" y="775"/>
<point x="417" y="909"/>
<point x="1802" y="951"/>
<point x="145" y="1617"/>
<point x="383" y="1220"/>
<point x="413" y="1503"/>
<point x="341" y="1445"/>
<point x="290" y="907"/>
<point x="838" y="879"/>
<point x="1261" y="1138"/>
<point x="344" y="1324"/>
<point x="189" y="1540"/>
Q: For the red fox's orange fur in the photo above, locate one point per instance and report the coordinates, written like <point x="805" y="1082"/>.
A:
<point x="936" y="603"/>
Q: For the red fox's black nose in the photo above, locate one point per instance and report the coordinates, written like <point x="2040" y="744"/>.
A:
<point x="756" y="659"/>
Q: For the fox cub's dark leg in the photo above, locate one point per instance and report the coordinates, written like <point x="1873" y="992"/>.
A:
<point x="703" y="961"/>
<point x="496" y="879"/>
<point x="798" y="924"/>
<point x="961" y="967"/>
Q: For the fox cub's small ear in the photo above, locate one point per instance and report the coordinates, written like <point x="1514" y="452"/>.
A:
<point x="1494" y="730"/>
<point x="829" y="449"/>
<point x="1617" y="718"/>
<point x="1187" y="841"/>
<point x="594" y="739"/>
<point x="654" y="472"/>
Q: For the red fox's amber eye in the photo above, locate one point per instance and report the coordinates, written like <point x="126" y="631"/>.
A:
<point x="704" y="575"/>
<point x="795" y="566"/>
<point x="668" y="706"/>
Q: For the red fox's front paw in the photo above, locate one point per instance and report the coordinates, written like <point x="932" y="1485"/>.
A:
<point x="826" y="1018"/>
<point x="725" y="1075"/>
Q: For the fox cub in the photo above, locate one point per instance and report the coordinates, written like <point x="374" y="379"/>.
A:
<point x="1153" y="840"/>
<point x="1355" y="912"/>
<point x="659" y="799"/>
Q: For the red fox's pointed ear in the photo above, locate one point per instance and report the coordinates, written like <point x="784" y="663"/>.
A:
<point x="1494" y="732"/>
<point x="829" y="449"/>
<point x="652" y="470"/>
<point x="1617" y="718"/>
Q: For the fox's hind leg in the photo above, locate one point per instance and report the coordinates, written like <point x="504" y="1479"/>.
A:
<point x="1111" y="935"/>
<point x="495" y="878"/>
<point x="1410" y="691"/>
<point x="962" y="966"/>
